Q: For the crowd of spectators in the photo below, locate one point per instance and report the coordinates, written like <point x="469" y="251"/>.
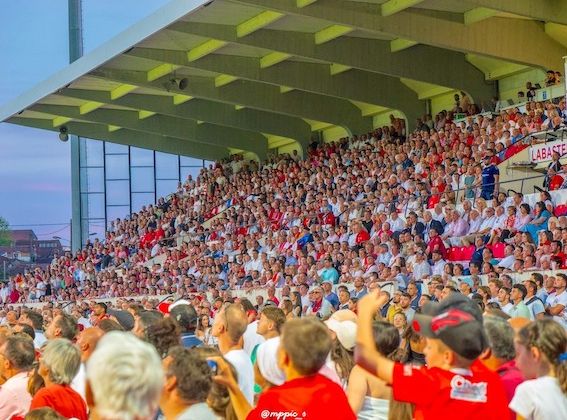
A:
<point x="377" y="207"/>
<point x="385" y="237"/>
<point x="458" y="354"/>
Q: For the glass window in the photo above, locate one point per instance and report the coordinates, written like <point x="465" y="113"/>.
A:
<point x="117" y="167"/>
<point x="118" y="212"/>
<point x="92" y="205"/>
<point x="165" y="187"/>
<point x="92" y="180"/>
<point x="91" y="152"/>
<point x="96" y="229"/>
<point x="117" y="193"/>
<point x="115" y="148"/>
<point x="141" y="157"/>
<point x="167" y="166"/>
<point x="142" y="179"/>
<point x="185" y="172"/>
<point x="189" y="161"/>
<point x="142" y="199"/>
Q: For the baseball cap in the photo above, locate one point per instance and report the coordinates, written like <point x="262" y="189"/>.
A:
<point x="457" y="322"/>
<point x="267" y="359"/>
<point x="345" y="331"/>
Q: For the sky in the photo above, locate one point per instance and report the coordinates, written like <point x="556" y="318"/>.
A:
<point x="35" y="170"/>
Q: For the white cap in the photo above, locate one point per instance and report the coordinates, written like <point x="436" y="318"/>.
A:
<point x="345" y="331"/>
<point x="267" y="359"/>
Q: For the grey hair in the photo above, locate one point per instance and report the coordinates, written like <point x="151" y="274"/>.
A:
<point x="500" y="337"/>
<point x="62" y="359"/>
<point x="126" y="377"/>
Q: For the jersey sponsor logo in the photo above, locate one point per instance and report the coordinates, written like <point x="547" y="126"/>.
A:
<point x="465" y="390"/>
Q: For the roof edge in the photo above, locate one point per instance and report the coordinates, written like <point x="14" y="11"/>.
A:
<point x="125" y="40"/>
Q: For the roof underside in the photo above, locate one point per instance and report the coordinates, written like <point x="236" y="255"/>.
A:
<point x="262" y="74"/>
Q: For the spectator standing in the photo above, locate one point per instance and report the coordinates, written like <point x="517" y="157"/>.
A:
<point x="541" y="355"/>
<point x="519" y="308"/>
<point x="188" y="380"/>
<point x="305" y="345"/>
<point x="130" y="371"/>
<point x="35" y="320"/>
<point x="453" y="381"/>
<point x="229" y="327"/>
<point x="17" y="356"/>
<point x="500" y="354"/>
<point x="490" y="178"/>
<point x="58" y="365"/>
<point x="186" y="317"/>
<point x="86" y="342"/>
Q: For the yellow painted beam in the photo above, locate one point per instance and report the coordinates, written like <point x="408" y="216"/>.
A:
<point x="317" y="125"/>
<point x="392" y="7"/>
<point x="121" y="90"/>
<point x="257" y="22"/>
<point x="112" y="128"/>
<point x="89" y="107"/>
<point x="272" y="59"/>
<point x="338" y="69"/>
<point x="143" y="114"/>
<point x="239" y="107"/>
<point x="160" y="71"/>
<point x="204" y="49"/>
<point x="59" y="121"/>
<point x="200" y="122"/>
<point x="179" y="99"/>
<point x="330" y="33"/>
<point x="477" y="14"/>
<point x="224" y="79"/>
<point x="400" y="44"/>
<point x="286" y="89"/>
<point x="303" y="3"/>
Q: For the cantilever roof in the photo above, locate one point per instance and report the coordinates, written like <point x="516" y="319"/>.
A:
<point x="265" y="74"/>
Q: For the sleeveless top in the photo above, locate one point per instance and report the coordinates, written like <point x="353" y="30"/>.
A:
<point x="374" y="409"/>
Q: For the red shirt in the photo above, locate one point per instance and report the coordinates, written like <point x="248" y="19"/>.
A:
<point x="437" y="241"/>
<point x="311" y="397"/>
<point x="62" y="399"/>
<point x="442" y="394"/>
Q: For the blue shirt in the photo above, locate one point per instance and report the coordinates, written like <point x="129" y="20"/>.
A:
<point x="190" y="340"/>
<point x="488" y="177"/>
<point x="330" y="274"/>
<point x="333" y="299"/>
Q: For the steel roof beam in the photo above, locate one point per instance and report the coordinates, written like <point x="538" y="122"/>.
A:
<point x="129" y="138"/>
<point x="545" y="10"/>
<point x="259" y="96"/>
<point x="516" y="40"/>
<point x="203" y="110"/>
<point x="206" y="134"/>
<point x="354" y="85"/>
<point x="422" y="62"/>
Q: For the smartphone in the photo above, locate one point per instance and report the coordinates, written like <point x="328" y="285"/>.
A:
<point x="213" y="365"/>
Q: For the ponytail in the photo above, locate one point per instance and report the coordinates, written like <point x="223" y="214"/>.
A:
<point x="550" y="339"/>
<point x="561" y="372"/>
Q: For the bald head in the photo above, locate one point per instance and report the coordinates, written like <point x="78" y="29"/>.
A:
<point x="87" y="342"/>
<point x="518" y="323"/>
<point x="231" y="324"/>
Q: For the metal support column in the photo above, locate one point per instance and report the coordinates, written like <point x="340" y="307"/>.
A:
<point x="75" y="52"/>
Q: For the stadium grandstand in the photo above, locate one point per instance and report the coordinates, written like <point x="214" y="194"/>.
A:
<point x="380" y="230"/>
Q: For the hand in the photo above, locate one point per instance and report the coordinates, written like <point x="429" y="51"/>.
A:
<point x="371" y="303"/>
<point x="224" y="374"/>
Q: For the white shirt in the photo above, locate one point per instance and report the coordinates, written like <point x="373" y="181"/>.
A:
<point x="540" y="399"/>
<point x="243" y="365"/>
<point x="252" y="338"/>
<point x="507" y="308"/>
<point x="558" y="299"/>
<point x="15" y="399"/>
<point x="79" y="383"/>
